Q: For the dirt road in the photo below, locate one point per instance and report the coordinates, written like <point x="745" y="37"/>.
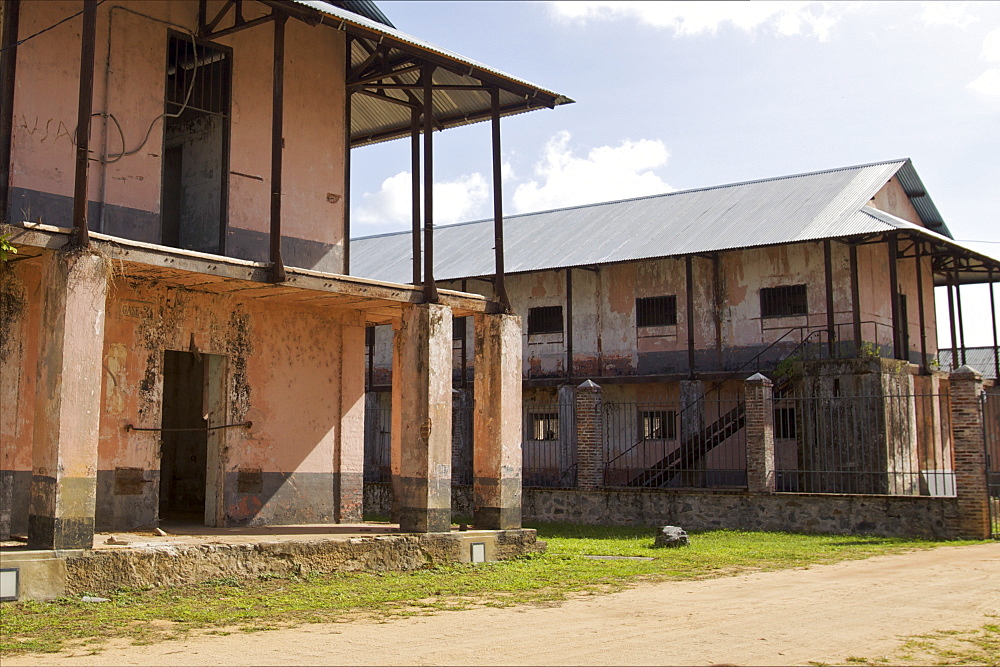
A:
<point x="824" y="614"/>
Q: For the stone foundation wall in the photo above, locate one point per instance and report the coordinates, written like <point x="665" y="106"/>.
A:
<point x="103" y="571"/>
<point x="890" y="516"/>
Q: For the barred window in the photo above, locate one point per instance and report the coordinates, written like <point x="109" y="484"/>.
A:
<point x="659" y="424"/>
<point x="458" y="328"/>
<point x="546" y="319"/>
<point x="544" y="425"/>
<point x="784" y="423"/>
<point x="784" y="301"/>
<point x="656" y="311"/>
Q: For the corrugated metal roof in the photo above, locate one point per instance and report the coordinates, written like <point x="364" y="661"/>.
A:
<point x="980" y="358"/>
<point x="373" y="121"/>
<point x="803" y="207"/>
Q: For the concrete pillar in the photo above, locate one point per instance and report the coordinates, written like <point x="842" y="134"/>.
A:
<point x="497" y="423"/>
<point x="692" y="415"/>
<point x="68" y="401"/>
<point x="760" y="434"/>
<point x="970" y="453"/>
<point x="421" y="419"/>
<point x="589" y="436"/>
<point x="349" y="451"/>
<point x="567" y="435"/>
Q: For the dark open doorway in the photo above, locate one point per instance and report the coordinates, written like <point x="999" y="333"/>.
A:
<point x="184" y="453"/>
<point x="196" y="145"/>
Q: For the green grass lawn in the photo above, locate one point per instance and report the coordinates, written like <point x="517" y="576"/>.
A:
<point x="564" y="570"/>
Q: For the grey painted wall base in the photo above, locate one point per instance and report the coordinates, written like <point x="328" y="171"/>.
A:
<point x="890" y="516"/>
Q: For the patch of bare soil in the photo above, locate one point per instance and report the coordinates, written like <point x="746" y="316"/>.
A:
<point x="826" y="614"/>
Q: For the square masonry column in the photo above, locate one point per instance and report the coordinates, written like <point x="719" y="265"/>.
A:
<point x="497" y="426"/>
<point x="349" y="452"/>
<point x="421" y="428"/>
<point x="68" y="401"/>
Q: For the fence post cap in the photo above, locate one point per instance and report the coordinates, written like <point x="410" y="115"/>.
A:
<point x="759" y="378"/>
<point x="967" y="372"/>
<point x="588" y="384"/>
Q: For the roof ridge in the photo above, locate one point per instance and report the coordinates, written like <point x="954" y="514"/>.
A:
<point x="901" y="161"/>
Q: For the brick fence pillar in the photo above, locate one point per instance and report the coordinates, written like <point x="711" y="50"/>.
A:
<point x="970" y="453"/>
<point x="760" y="434"/>
<point x="589" y="436"/>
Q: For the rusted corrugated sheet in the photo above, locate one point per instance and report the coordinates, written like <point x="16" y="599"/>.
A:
<point x="373" y="121"/>
<point x="804" y="207"/>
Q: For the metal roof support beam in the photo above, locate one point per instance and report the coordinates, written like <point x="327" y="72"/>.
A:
<point x="218" y="18"/>
<point x="569" y="322"/>
<point x="499" y="284"/>
<point x="430" y="289"/>
<point x="831" y="326"/>
<point x="415" y="192"/>
<point x="689" y="288"/>
<point x="919" y="261"/>
<point x="8" y="67"/>
<point x="386" y="74"/>
<point x="347" y="177"/>
<point x="996" y="343"/>
<point x="83" y="118"/>
<point x="894" y="295"/>
<point x="277" y="274"/>
<point x="950" y="277"/>
<point x="856" y="300"/>
<point x="958" y="303"/>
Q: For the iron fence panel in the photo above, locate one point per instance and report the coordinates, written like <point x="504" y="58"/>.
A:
<point x="883" y="444"/>
<point x="991" y="428"/>
<point x="664" y="443"/>
<point x="548" y="446"/>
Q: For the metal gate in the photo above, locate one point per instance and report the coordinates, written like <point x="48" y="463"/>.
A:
<point x="991" y="426"/>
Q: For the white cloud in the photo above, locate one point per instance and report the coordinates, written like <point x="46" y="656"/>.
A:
<point x="454" y="201"/>
<point x="947" y="13"/>
<point x="991" y="46"/>
<point x="988" y="82"/>
<point x="695" y="18"/>
<point x="606" y="173"/>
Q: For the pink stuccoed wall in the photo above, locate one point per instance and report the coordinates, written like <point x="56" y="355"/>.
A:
<point x="129" y="83"/>
<point x="296" y="372"/>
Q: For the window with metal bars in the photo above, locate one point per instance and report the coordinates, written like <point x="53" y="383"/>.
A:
<point x="545" y="319"/>
<point x="544" y="425"/>
<point x="198" y="77"/>
<point x="784" y="423"/>
<point x="783" y="301"/>
<point x="656" y="311"/>
<point x="658" y="424"/>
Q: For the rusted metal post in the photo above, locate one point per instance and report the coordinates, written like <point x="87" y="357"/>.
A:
<point x="689" y="288"/>
<point x="856" y="300"/>
<point x="831" y="330"/>
<point x="499" y="285"/>
<point x="951" y="320"/>
<point x="996" y="343"/>
<point x="8" y="68"/>
<point x="346" y="199"/>
<point x="918" y="258"/>
<point x="84" y="109"/>
<point x="277" y="124"/>
<point x="415" y="190"/>
<point x="569" y="323"/>
<point x="430" y="289"/>
<point x="894" y="294"/>
<point x="961" y="319"/>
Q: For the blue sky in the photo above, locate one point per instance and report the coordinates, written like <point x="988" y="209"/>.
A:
<point x="677" y="95"/>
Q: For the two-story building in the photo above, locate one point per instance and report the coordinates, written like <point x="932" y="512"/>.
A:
<point x="179" y="335"/>
<point x="670" y="300"/>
